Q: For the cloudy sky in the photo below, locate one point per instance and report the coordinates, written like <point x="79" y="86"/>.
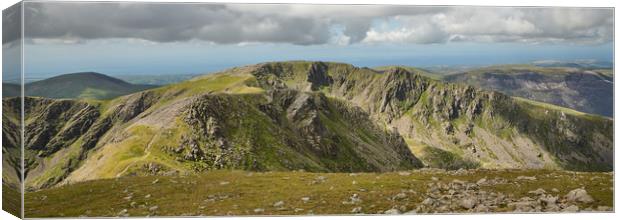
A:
<point x="122" y="38"/>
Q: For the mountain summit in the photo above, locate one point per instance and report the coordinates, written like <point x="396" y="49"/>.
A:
<point x="315" y="116"/>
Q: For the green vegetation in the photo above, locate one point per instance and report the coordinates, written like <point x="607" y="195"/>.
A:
<point x="158" y="80"/>
<point x="227" y="192"/>
<point x="285" y="116"/>
<point x="446" y="160"/>
<point x="86" y="85"/>
<point x="11" y="199"/>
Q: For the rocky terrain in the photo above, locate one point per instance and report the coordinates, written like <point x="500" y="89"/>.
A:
<point x="586" y="90"/>
<point x="315" y="116"/>
<point x="221" y="193"/>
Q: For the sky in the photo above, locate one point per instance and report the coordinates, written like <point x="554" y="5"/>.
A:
<point x="155" y="38"/>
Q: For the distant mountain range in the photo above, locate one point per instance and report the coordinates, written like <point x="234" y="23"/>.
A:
<point x="571" y="86"/>
<point x="315" y="116"/>
<point x="76" y="85"/>
<point x="587" y="64"/>
<point x="584" y="90"/>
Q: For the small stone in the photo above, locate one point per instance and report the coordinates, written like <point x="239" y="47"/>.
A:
<point x="579" y="195"/>
<point x="555" y="190"/>
<point x="298" y="209"/>
<point x="153" y="208"/>
<point x="278" y="204"/>
<point x="223" y="183"/>
<point x="538" y="191"/>
<point x="259" y="210"/>
<point x="481" y="181"/>
<point x="526" y="178"/>
<point x="392" y="212"/>
<point x="400" y="196"/>
<point x="356" y="210"/>
<point x="549" y="200"/>
<point x="468" y="203"/>
<point x="428" y="202"/>
<point x="155" y="181"/>
<point x="434" y="179"/>
<point x="604" y="208"/>
<point x="572" y="208"/>
<point x="147" y="196"/>
<point x="354" y="199"/>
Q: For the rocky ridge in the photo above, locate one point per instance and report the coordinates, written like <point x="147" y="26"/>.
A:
<point x="315" y="116"/>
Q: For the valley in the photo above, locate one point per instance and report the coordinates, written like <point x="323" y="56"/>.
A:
<point x="302" y="119"/>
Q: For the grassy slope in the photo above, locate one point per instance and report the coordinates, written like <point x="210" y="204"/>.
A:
<point x="235" y="82"/>
<point x="129" y="155"/>
<point x="240" y="193"/>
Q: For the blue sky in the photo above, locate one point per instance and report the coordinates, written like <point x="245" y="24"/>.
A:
<point x="141" y="38"/>
<point x="179" y="58"/>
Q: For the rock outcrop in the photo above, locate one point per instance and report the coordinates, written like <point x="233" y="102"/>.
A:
<point x="315" y="116"/>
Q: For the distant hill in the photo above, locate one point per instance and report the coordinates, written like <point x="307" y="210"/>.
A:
<point x="576" y="88"/>
<point x="77" y="85"/>
<point x="315" y="116"/>
<point x="588" y="64"/>
<point x="10" y="90"/>
<point x="155" y="79"/>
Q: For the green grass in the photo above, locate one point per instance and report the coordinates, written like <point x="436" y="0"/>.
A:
<point x="11" y="199"/>
<point x="548" y="106"/>
<point x="239" y="192"/>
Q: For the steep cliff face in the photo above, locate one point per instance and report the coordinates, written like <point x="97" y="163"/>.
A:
<point x="59" y="134"/>
<point x="314" y="116"/>
<point x="482" y="128"/>
<point x="11" y="135"/>
<point x="288" y="130"/>
<point x="584" y="90"/>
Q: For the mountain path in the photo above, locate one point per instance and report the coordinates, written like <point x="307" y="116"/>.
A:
<point x="146" y="150"/>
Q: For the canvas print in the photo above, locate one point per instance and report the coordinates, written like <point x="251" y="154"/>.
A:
<point x="135" y="109"/>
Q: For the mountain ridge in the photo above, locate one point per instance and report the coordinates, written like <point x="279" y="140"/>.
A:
<point x="316" y="116"/>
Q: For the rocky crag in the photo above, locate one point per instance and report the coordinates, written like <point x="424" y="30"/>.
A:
<point x="315" y="116"/>
<point x="586" y="90"/>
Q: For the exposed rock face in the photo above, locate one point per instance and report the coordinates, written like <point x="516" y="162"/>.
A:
<point x="583" y="90"/>
<point x="314" y="116"/>
<point x="304" y="128"/>
<point x="484" y="125"/>
<point x="11" y="142"/>
<point x="55" y="127"/>
<point x="56" y="124"/>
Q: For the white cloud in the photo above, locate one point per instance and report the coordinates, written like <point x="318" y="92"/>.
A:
<point x="485" y="24"/>
<point x="313" y="24"/>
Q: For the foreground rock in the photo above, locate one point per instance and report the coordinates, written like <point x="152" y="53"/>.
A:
<point x="461" y="196"/>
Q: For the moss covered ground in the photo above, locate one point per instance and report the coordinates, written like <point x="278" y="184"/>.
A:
<point x="227" y="192"/>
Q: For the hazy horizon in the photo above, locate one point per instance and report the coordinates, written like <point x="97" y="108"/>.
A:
<point x="142" y="38"/>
